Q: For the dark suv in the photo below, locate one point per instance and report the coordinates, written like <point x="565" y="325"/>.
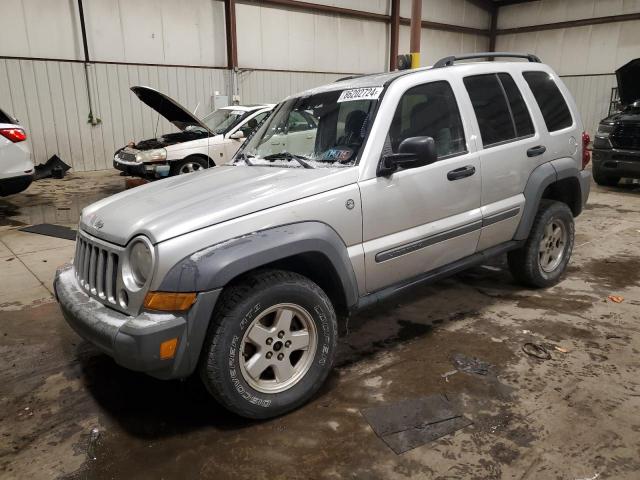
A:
<point x="616" y="147"/>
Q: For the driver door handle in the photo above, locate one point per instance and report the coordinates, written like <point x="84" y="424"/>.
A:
<point x="461" y="172"/>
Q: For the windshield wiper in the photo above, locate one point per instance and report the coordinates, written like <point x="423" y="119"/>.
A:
<point x="289" y="156"/>
<point x="245" y="157"/>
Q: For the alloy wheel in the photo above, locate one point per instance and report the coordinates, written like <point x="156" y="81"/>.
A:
<point x="552" y="246"/>
<point x="278" y="348"/>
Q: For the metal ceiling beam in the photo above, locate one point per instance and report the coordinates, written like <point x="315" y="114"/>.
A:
<point x="446" y="27"/>
<point x="319" y="8"/>
<point x="348" y="12"/>
<point x="571" y="23"/>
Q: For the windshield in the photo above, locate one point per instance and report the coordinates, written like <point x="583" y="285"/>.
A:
<point x="322" y="130"/>
<point x="223" y="120"/>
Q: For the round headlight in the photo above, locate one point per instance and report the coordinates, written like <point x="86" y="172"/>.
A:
<point x="140" y="262"/>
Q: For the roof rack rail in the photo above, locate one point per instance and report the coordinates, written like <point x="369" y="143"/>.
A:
<point x="350" y="77"/>
<point x="448" y="61"/>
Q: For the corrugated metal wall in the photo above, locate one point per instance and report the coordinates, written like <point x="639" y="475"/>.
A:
<point x="50" y="96"/>
<point x="592" y="94"/>
<point x="50" y="99"/>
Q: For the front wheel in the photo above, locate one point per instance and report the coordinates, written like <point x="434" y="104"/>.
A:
<point x="271" y="344"/>
<point x="188" y="165"/>
<point x="545" y="255"/>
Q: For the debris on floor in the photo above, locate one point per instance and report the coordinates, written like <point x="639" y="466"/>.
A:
<point x="54" y="167"/>
<point x="51" y="230"/>
<point x="94" y="435"/>
<point x="470" y="364"/>
<point x="408" y="424"/>
<point x="446" y="375"/>
<point x="616" y="298"/>
<point x="131" y="182"/>
<point x="537" y="351"/>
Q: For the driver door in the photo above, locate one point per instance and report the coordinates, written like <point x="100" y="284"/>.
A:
<point x="422" y="218"/>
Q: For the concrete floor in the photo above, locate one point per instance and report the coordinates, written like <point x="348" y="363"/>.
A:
<point x="572" y="417"/>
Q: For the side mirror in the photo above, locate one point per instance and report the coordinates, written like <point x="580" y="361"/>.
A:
<point x="413" y="152"/>
<point x="237" y="135"/>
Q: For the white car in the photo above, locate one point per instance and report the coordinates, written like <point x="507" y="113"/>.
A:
<point x="16" y="165"/>
<point x="201" y="143"/>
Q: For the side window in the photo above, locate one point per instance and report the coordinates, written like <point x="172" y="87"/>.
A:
<point x="429" y="110"/>
<point x="298" y="123"/>
<point x="521" y="117"/>
<point x="554" y="109"/>
<point x="249" y="127"/>
<point x="501" y="112"/>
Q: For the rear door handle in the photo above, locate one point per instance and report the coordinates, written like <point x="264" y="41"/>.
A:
<point x="461" y="172"/>
<point x="535" y="151"/>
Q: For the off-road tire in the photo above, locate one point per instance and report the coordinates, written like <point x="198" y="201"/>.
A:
<point x="240" y="304"/>
<point x="177" y="166"/>
<point x="524" y="262"/>
<point x="604" y="180"/>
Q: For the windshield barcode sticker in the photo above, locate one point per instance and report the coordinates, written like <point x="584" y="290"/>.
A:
<point x="366" y="93"/>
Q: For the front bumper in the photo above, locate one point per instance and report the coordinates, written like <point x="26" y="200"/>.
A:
<point x="11" y="185"/>
<point x="134" y="342"/>
<point x="154" y="170"/>
<point x="617" y="163"/>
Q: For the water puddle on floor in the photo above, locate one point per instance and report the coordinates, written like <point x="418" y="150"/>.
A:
<point x="57" y="201"/>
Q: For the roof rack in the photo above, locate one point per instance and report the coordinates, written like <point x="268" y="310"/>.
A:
<point x="448" y="61"/>
<point x="350" y="77"/>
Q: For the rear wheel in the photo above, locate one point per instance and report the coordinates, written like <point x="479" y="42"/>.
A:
<point x="271" y="344"/>
<point x="188" y="165"/>
<point x="545" y="255"/>
<point x="604" y="180"/>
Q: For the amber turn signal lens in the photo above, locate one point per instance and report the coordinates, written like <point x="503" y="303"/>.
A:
<point x="168" y="349"/>
<point x="169" y="301"/>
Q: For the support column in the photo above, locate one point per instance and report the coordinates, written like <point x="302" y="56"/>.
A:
<point x="416" y="27"/>
<point x="493" y="29"/>
<point x="230" y="26"/>
<point x="395" y="31"/>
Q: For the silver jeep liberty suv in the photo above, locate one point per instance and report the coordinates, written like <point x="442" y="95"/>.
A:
<point x="348" y="193"/>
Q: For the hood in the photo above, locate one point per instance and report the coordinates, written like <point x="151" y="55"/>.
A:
<point x="168" y="108"/>
<point x="629" y="82"/>
<point x="177" y="205"/>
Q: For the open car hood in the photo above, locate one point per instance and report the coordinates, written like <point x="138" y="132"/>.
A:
<point x="168" y="108"/>
<point x="628" y="77"/>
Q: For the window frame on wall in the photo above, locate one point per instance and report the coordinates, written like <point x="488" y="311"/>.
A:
<point x="544" y="106"/>
<point x="454" y="110"/>
<point x="509" y="103"/>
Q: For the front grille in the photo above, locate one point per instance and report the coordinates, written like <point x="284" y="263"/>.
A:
<point x="127" y="157"/>
<point x="96" y="269"/>
<point x="626" y="136"/>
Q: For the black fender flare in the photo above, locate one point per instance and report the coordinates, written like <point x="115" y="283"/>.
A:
<point x="541" y="177"/>
<point x="215" y="266"/>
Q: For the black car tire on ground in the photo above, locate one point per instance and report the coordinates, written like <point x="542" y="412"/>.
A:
<point x="196" y="163"/>
<point x="604" y="180"/>
<point x="526" y="263"/>
<point x="225" y="361"/>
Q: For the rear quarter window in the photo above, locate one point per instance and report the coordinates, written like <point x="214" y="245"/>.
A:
<point x="554" y="108"/>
